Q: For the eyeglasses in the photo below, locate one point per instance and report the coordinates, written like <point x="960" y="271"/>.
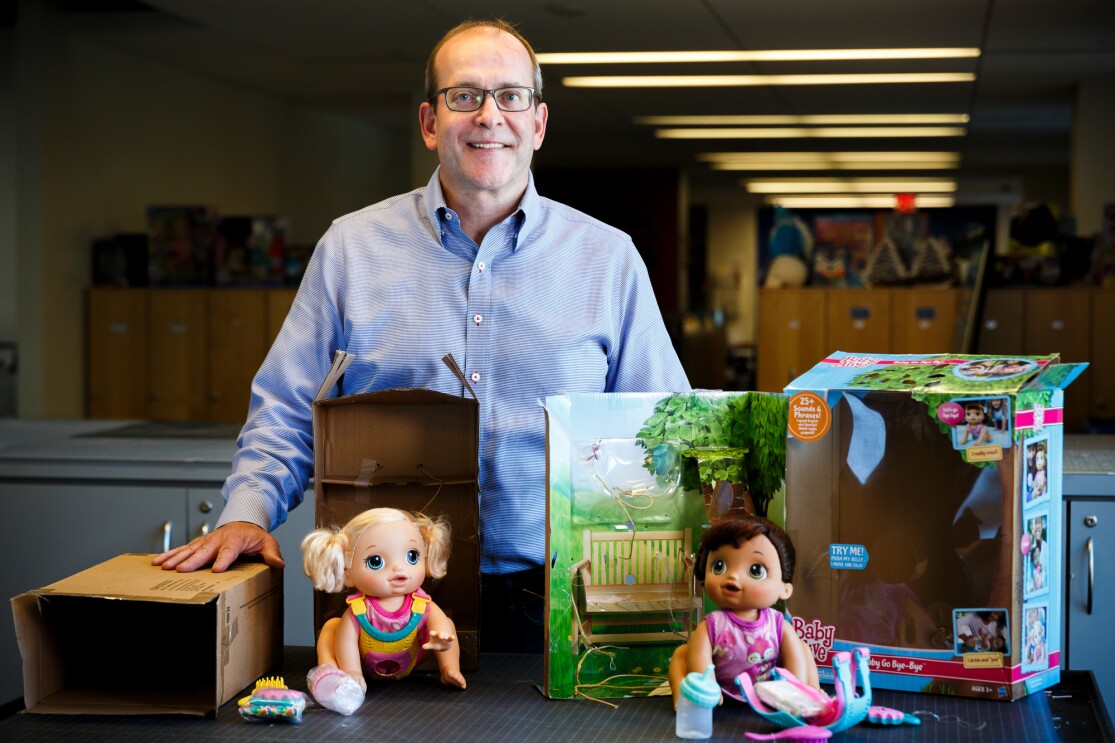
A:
<point x="471" y="99"/>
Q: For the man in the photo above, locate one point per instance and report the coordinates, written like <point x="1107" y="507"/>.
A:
<point x="531" y="297"/>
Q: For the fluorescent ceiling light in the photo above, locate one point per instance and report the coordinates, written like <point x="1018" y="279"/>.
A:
<point x="833" y="132"/>
<point x="816" y="165"/>
<point x="769" y="55"/>
<point x="807" y="120"/>
<point x="880" y="201"/>
<point x="717" y="81"/>
<point x="828" y="157"/>
<point x="851" y="185"/>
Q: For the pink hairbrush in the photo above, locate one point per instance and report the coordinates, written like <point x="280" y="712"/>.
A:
<point x="802" y="734"/>
<point x="888" y="716"/>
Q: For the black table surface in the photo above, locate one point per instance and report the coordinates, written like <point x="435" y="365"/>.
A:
<point x="503" y="702"/>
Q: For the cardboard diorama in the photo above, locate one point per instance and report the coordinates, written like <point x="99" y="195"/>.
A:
<point x="89" y="642"/>
<point x="634" y="479"/>
<point x="411" y="449"/>
<point x="924" y="498"/>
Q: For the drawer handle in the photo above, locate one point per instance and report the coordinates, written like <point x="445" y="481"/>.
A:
<point x="166" y="536"/>
<point x="1091" y="573"/>
<point x="204" y="529"/>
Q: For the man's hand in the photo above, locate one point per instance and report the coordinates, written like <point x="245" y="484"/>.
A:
<point x="221" y="547"/>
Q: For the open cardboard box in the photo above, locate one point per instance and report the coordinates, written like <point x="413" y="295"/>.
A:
<point x="126" y="637"/>
<point x="922" y="528"/>
<point x="412" y="449"/>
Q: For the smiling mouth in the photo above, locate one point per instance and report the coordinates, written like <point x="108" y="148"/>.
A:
<point x="487" y="145"/>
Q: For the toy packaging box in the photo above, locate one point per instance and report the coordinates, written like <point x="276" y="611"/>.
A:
<point x="923" y="494"/>
<point x="412" y="449"/>
<point x="634" y="478"/>
<point x="128" y="638"/>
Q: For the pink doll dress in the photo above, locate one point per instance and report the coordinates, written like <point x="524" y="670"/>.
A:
<point x="743" y="647"/>
<point x="390" y="642"/>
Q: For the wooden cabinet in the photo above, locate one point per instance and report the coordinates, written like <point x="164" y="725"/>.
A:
<point x="1002" y="330"/>
<point x="858" y="320"/>
<point x="178" y="354"/>
<point x="117" y="368"/>
<point x="926" y="321"/>
<point x="1059" y="321"/>
<point x="237" y="344"/>
<point x="791" y="335"/>
<point x="799" y="327"/>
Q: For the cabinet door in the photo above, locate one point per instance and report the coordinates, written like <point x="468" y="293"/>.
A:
<point x="237" y="345"/>
<point x="1102" y="367"/>
<point x="791" y="335"/>
<point x="1091" y="564"/>
<point x="55" y="530"/>
<point x="1002" y="328"/>
<point x="279" y="302"/>
<point x="176" y="354"/>
<point x="1058" y="321"/>
<point x="117" y="353"/>
<point x="924" y="321"/>
<point x="859" y="320"/>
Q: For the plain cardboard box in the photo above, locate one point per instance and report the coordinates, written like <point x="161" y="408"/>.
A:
<point x="126" y="637"/>
<point x="412" y="449"/>
<point x="912" y="528"/>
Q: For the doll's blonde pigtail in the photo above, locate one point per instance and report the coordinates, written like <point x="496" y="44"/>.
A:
<point x="323" y="558"/>
<point x="436" y="534"/>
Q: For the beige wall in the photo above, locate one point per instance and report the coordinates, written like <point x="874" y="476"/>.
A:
<point x="732" y="263"/>
<point x="112" y="134"/>
<point x="1093" y="154"/>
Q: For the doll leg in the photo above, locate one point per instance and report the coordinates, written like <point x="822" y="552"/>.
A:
<point x="331" y="687"/>
<point x="679" y="666"/>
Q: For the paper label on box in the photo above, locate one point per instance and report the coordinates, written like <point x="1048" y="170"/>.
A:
<point x="810" y="417"/>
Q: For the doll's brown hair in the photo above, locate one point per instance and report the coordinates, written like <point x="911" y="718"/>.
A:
<point x="737" y="531"/>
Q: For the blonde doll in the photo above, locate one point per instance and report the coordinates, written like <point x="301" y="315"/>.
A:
<point x="385" y="554"/>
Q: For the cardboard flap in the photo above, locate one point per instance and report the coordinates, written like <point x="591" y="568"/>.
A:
<point x="1057" y="377"/>
<point x="133" y="577"/>
<point x="341" y="361"/>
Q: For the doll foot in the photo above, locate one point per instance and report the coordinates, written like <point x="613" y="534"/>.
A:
<point x="334" y="689"/>
<point x="453" y="678"/>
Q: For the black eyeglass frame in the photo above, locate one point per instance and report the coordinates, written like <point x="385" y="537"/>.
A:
<point x="534" y="96"/>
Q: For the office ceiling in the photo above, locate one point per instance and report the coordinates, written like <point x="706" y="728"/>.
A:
<point x="366" y="58"/>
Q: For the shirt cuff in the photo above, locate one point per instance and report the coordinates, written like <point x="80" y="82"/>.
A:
<point x="247" y="505"/>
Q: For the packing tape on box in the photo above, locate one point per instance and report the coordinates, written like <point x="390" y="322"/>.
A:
<point x="363" y="480"/>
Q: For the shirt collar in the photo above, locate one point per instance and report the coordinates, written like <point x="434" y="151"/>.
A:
<point x="525" y="217"/>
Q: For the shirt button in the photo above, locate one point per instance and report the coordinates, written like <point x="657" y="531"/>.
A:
<point x="449" y="216"/>
<point x="476" y="376"/>
<point x="477" y="319"/>
<point x="480" y="266"/>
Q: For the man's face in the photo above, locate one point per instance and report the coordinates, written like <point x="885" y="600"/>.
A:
<point x="484" y="154"/>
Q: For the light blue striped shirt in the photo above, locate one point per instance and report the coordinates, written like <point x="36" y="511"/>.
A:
<point x="551" y="301"/>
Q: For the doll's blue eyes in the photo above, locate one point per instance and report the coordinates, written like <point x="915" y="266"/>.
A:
<point x="757" y="571"/>
<point x="719" y="567"/>
<point x="374" y="562"/>
<point x="412" y="557"/>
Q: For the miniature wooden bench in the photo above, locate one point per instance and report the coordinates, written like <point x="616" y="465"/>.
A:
<point x="633" y="579"/>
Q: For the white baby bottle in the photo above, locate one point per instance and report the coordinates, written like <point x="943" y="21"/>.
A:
<point x="698" y="695"/>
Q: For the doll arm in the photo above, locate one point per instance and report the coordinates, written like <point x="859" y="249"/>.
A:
<point x="442" y="632"/>
<point x="348" y="648"/>
<point x="698" y="654"/>
<point x="797" y="658"/>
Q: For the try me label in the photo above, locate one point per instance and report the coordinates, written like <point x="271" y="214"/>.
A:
<point x="847" y="556"/>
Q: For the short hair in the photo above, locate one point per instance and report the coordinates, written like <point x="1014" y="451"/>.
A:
<point x="977" y="405"/>
<point x="327" y="552"/>
<point x="497" y="24"/>
<point x="737" y="531"/>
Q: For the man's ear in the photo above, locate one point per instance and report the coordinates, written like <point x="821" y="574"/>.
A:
<point x="541" y="116"/>
<point x="427" y="122"/>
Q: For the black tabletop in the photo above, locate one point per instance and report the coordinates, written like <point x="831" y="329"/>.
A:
<point x="502" y="702"/>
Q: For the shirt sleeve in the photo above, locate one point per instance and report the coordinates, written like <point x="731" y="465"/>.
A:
<point x="644" y="359"/>
<point x="274" y="460"/>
